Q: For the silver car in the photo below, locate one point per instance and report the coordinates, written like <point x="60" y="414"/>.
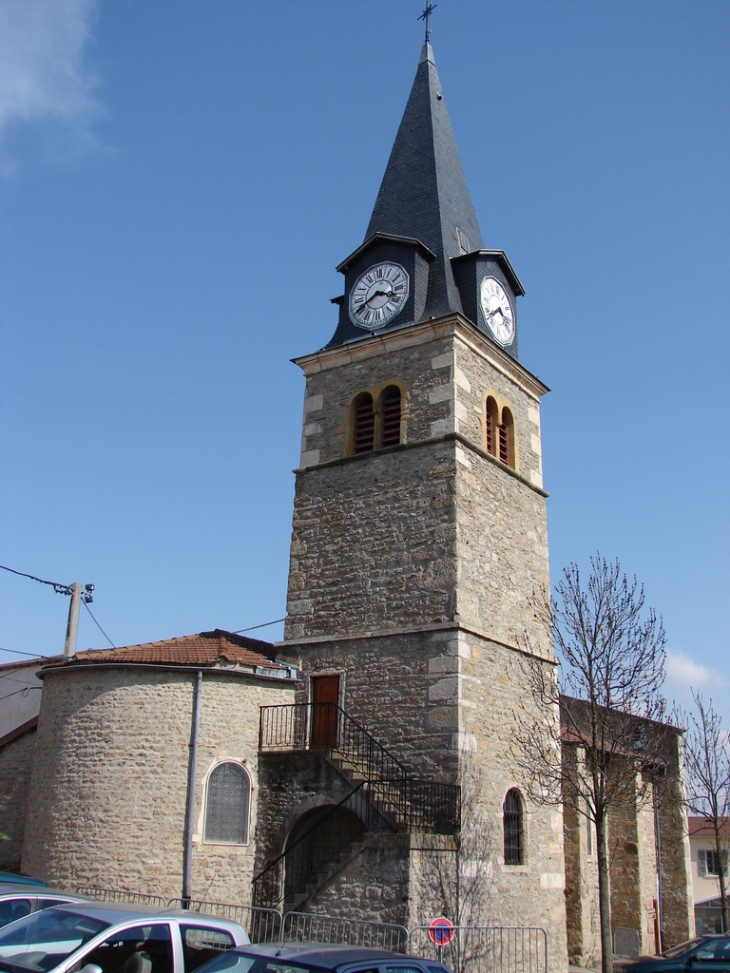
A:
<point x="99" y="938"/>
<point x="18" y="900"/>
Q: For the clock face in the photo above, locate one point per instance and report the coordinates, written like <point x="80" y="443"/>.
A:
<point x="497" y="311"/>
<point x="378" y="295"/>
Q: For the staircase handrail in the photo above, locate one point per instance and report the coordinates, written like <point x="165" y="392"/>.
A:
<point x="343" y="719"/>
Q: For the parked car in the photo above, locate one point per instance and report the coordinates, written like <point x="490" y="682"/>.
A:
<point x="105" y="938"/>
<point x="18" y="879"/>
<point x="19" y="900"/>
<point x="318" y="958"/>
<point x="710" y="954"/>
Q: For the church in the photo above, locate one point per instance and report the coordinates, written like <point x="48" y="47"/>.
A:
<point x="365" y="765"/>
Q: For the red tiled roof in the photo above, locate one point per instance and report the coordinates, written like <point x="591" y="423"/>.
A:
<point x="205" y="649"/>
<point x="701" y="827"/>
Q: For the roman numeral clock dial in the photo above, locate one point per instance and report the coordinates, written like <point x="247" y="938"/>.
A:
<point x="378" y="295"/>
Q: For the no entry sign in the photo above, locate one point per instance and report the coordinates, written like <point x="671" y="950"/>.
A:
<point x="441" y="931"/>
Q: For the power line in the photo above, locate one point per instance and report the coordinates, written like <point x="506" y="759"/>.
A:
<point x="26" y="690"/>
<point x="263" y="625"/>
<point x="61" y="589"/>
<point x="86" y="606"/>
<point x="31" y="655"/>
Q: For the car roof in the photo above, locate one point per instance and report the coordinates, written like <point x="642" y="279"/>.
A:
<point x="16" y="879"/>
<point x="328" y="954"/>
<point x="8" y="891"/>
<point x="114" y="913"/>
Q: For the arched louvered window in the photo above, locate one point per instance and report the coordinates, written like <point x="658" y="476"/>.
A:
<point x="492" y="423"/>
<point x="227" y="804"/>
<point x="390" y="416"/>
<point x="364" y="424"/>
<point x="507" y="438"/>
<point x="513" y="836"/>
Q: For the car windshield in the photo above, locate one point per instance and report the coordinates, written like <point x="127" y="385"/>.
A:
<point x="235" y="962"/>
<point x="681" y="948"/>
<point x="44" y="939"/>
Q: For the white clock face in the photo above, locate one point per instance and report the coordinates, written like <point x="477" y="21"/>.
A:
<point x="497" y="311"/>
<point x="378" y="295"/>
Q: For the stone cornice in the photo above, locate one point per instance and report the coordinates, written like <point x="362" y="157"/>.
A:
<point x="434" y="440"/>
<point x="452" y="626"/>
<point x="372" y="346"/>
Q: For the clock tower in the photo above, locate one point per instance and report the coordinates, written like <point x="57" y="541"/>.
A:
<point x="419" y="549"/>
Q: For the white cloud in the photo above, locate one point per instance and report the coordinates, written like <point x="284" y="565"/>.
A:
<point x="685" y="672"/>
<point x="42" y="71"/>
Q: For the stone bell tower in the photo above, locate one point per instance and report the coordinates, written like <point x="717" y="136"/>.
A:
<point x="419" y="541"/>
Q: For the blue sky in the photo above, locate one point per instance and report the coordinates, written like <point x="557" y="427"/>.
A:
<point x="178" y="181"/>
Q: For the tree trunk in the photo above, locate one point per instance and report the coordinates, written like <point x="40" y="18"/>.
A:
<point x="604" y="894"/>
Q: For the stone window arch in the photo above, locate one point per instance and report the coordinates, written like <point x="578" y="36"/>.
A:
<point x="375" y="418"/>
<point x="512" y="823"/>
<point x="227" y="804"/>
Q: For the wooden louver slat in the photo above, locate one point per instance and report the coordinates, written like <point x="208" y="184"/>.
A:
<point x="391" y="417"/>
<point x="364" y="424"/>
<point x="503" y="443"/>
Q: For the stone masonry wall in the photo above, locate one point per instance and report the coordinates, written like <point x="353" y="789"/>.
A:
<point x="110" y="778"/>
<point x="16" y="761"/>
<point x="373" y="546"/>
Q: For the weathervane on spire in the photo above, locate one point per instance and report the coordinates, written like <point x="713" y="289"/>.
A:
<point x="426" y="17"/>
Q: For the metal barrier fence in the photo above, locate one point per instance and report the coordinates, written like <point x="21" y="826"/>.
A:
<point x="118" y="895"/>
<point x="486" y="949"/>
<point x="262" y="925"/>
<point x="472" y="949"/>
<point x="305" y="927"/>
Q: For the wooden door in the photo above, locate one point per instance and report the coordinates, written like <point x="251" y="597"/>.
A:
<point x="325" y="697"/>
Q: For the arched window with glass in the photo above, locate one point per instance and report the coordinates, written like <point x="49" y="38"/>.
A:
<point x="514" y="850"/>
<point x="228" y="804"/>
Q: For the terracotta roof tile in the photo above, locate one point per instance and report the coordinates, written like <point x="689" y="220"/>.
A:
<point x="702" y="827"/>
<point x="204" y="649"/>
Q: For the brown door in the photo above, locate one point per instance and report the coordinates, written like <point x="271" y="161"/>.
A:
<point x="325" y="696"/>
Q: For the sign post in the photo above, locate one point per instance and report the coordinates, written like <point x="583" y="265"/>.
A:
<point x="441" y="932"/>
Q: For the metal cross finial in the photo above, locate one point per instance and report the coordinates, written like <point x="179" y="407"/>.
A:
<point x="426" y="17"/>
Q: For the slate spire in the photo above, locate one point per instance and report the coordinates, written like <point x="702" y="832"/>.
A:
<point x="424" y="194"/>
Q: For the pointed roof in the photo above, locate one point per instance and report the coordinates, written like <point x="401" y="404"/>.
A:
<point x="424" y="194"/>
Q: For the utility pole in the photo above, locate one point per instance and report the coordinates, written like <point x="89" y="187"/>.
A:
<point x="77" y="594"/>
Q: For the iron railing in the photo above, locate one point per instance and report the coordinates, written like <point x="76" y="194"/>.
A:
<point x="119" y="895"/>
<point x="305" y="927"/>
<point x="262" y="925"/>
<point x="412" y="803"/>
<point x="486" y="949"/>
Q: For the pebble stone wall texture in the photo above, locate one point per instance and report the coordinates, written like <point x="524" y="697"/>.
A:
<point x="415" y="573"/>
<point x="16" y="760"/>
<point x="110" y="777"/>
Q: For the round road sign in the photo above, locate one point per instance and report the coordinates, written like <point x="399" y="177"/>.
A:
<point x="441" y="931"/>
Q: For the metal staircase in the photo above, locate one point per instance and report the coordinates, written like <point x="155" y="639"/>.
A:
<point x="384" y="797"/>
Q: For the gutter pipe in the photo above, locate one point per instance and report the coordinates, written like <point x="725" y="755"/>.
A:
<point x="190" y="805"/>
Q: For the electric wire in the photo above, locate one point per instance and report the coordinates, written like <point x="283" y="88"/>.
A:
<point x="61" y="589"/>
<point x="31" y="655"/>
<point x="263" y="625"/>
<point x="98" y="625"/>
<point x="26" y="690"/>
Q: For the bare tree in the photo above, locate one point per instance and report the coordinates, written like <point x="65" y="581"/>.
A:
<point x="707" y="766"/>
<point x="605" y="750"/>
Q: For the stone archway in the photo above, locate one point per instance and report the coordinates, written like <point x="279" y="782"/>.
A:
<point x="315" y="842"/>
